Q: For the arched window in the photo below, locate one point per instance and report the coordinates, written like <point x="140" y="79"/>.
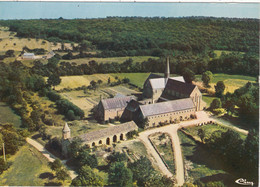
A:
<point x="121" y="137"/>
<point x="114" y="138"/>
<point x="93" y="144"/>
<point x="108" y="141"/>
<point x="100" y="142"/>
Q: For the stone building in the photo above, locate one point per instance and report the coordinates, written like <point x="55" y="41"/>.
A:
<point x="155" y="84"/>
<point x="177" y="90"/>
<point x="167" y="112"/>
<point x="113" y="107"/>
<point x="106" y="136"/>
<point x="28" y="56"/>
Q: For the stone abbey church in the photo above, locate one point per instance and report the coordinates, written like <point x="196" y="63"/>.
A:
<point x="165" y="99"/>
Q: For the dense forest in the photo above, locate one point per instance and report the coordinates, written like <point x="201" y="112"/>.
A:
<point x="135" y="34"/>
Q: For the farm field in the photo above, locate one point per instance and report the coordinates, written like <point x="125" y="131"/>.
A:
<point x="81" y="80"/>
<point x="29" y="168"/>
<point x="86" y="101"/>
<point x="111" y="59"/>
<point x="197" y="162"/>
<point x="7" y="115"/>
<point x="164" y="146"/>
<point x="232" y="82"/>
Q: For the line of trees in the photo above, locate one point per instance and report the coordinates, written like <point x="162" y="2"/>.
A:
<point x="135" y="33"/>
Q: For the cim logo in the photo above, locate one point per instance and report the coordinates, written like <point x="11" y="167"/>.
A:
<point x="242" y="181"/>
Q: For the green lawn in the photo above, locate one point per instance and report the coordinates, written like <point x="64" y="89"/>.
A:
<point x="198" y="162"/>
<point x="29" y="168"/>
<point x="7" y="115"/>
<point x="135" y="78"/>
<point x="208" y="99"/>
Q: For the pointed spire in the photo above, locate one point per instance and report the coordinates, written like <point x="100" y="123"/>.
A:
<point x="167" y="70"/>
<point x="66" y="128"/>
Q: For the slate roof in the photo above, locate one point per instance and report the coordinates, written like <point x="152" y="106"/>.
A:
<point x="107" y="132"/>
<point x="180" y="78"/>
<point x="118" y="102"/>
<point x="157" y="83"/>
<point x="133" y="105"/>
<point x="180" y="87"/>
<point x="166" y="107"/>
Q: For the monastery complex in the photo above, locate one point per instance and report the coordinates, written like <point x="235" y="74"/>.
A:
<point x="164" y="100"/>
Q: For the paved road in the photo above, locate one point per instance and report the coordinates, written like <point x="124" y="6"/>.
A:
<point x="48" y="155"/>
<point x="172" y="131"/>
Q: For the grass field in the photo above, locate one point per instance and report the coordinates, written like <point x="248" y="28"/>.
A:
<point x="111" y="59"/>
<point x="135" y="78"/>
<point x="82" y="80"/>
<point x="29" y="168"/>
<point x="7" y="115"/>
<point x="208" y="99"/>
<point x="232" y="82"/>
<point x="164" y="146"/>
<point x="198" y="162"/>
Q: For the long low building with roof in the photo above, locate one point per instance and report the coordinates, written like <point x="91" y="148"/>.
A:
<point x="106" y="136"/>
<point x="167" y="112"/>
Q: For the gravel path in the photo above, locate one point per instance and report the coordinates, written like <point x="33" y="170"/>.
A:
<point x="48" y="155"/>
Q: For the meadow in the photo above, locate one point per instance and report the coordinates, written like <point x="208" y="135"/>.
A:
<point x="81" y="80"/>
<point x="28" y="168"/>
<point x="232" y="82"/>
<point x="7" y="115"/>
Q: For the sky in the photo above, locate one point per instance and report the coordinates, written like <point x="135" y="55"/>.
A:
<point x="72" y="10"/>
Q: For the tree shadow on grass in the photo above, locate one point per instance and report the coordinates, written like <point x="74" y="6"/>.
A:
<point x="202" y="156"/>
<point x="46" y="175"/>
<point x="187" y="145"/>
<point x="52" y="184"/>
<point x="227" y="179"/>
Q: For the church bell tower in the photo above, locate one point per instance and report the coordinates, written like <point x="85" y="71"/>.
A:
<point x="66" y="132"/>
<point x="167" y="70"/>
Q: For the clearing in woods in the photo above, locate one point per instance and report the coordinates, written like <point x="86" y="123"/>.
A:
<point x="9" y="41"/>
<point x="7" y="115"/>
